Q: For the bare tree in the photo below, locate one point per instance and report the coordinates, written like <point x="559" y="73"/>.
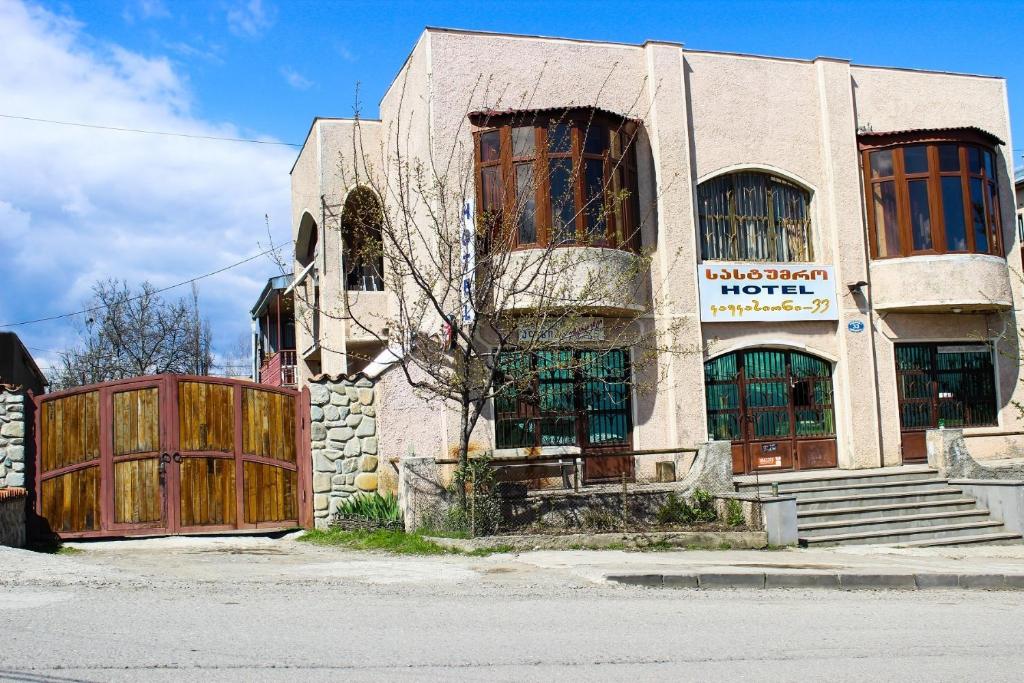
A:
<point x="472" y="316"/>
<point x="129" y="333"/>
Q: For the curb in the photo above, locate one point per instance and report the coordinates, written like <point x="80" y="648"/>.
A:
<point x="832" y="580"/>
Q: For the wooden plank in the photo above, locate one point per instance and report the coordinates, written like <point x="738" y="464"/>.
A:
<point x="205" y="417"/>
<point x="136" y="491"/>
<point x="268" y="424"/>
<point x="136" y="421"/>
<point x="270" y="494"/>
<point x="207" y="491"/>
<point x="70" y="431"/>
<point x="71" y="501"/>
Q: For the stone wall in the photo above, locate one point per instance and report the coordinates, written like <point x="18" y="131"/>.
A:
<point x="343" y="429"/>
<point x="13" y="432"/>
<point x="13" y="503"/>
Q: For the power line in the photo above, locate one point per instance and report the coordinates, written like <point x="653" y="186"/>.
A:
<point x="148" y="132"/>
<point x="136" y="298"/>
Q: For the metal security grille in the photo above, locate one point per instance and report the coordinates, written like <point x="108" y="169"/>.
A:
<point x="752" y="216"/>
<point x="767" y="396"/>
<point x="948" y="382"/>
<point x="571" y="398"/>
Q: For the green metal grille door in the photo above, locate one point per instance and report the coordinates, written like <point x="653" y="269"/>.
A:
<point x="775" y="406"/>
<point x="949" y="383"/>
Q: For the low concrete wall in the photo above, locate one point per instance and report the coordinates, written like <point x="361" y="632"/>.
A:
<point x="947" y="453"/>
<point x="1003" y="498"/>
<point x="13" y="504"/>
<point x="423" y="493"/>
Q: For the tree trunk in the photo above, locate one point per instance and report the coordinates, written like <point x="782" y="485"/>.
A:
<point x="463" y="447"/>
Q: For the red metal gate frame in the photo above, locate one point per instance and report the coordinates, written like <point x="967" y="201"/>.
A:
<point x="167" y="385"/>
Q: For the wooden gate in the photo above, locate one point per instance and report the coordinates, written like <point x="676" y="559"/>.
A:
<point x="171" y="454"/>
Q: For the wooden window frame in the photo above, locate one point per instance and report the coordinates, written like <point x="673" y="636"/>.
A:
<point x="621" y="215"/>
<point x="897" y="143"/>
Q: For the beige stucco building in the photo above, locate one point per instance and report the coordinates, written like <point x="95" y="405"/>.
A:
<point x="833" y="238"/>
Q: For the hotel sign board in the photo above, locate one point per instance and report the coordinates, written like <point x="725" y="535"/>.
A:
<point x="773" y="292"/>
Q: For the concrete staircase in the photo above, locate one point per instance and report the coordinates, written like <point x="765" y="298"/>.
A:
<point x="907" y="506"/>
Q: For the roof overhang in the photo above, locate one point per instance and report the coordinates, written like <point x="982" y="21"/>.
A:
<point x="274" y="284"/>
<point x="879" y="139"/>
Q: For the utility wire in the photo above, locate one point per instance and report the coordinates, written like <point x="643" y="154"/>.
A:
<point x="135" y="298"/>
<point x="148" y="132"/>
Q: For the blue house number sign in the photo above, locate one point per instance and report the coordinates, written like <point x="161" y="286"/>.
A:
<point x="855" y="326"/>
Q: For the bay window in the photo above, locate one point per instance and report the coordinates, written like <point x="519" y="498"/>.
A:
<point x="557" y="177"/>
<point x="931" y="192"/>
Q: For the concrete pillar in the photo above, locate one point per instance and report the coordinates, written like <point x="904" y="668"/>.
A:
<point x="674" y="266"/>
<point x="855" y="384"/>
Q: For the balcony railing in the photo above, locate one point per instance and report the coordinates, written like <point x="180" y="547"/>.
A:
<point x="278" y="369"/>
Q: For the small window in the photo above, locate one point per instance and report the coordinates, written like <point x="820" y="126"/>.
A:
<point x="931" y="197"/>
<point x="362" y="247"/>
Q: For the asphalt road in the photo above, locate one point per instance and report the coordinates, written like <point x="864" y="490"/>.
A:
<point x="279" y="610"/>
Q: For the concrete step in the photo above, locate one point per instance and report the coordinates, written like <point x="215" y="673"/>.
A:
<point x="922" y="495"/>
<point x="851" y="479"/>
<point x="872" y="511"/>
<point x="995" y="538"/>
<point x="896" y="522"/>
<point x="865" y="488"/>
<point x="909" y="534"/>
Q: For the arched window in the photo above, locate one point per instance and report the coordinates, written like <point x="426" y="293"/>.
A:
<point x="558" y="177"/>
<point x="754" y="216"/>
<point x="931" y="192"/>
<point x="307" y="240"/>
<point x="362" y="256"/>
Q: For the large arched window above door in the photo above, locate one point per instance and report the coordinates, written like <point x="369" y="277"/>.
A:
<point x="754" y="216"/>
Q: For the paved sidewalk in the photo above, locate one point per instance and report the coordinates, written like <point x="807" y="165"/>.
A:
<point x="848" y="567"/>
<point x="184" y="560"/>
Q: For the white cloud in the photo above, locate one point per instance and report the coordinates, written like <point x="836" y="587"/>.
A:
<point x="295" y="79"/>
<point x="79" y="204"/>
<point x="145" y="10"/>
<point x="344" y="52"/>
<point x="251" y="19"/>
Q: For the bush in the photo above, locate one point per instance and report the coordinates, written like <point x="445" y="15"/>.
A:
<point x="482" y="514"/>
<point x="734" y="513"/>
<point x="674" y="511"/>
<point x="597" y="519"/>
<point x="700" y="508"/>
<point x="369" y="510"/>
<point x="703" y="506"/>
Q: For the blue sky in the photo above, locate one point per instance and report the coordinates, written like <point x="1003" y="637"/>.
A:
<point x="76" y="205"/>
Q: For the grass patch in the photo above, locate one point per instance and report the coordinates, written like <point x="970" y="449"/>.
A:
<point x="50" y="546"/>
<point x="484" y="552"/>
<point x="397" y="542"/>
